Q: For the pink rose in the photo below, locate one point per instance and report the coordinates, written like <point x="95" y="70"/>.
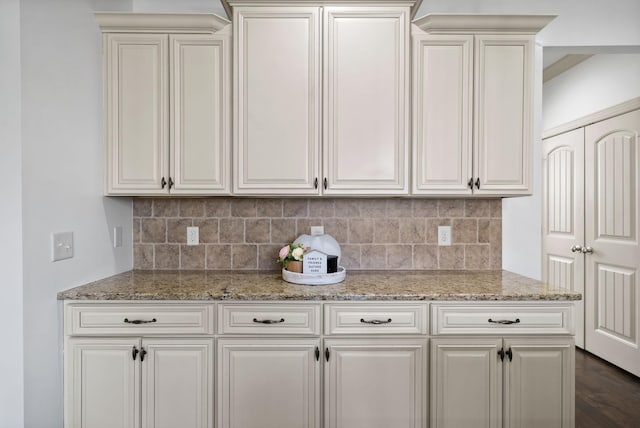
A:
<point x="284" y="252"/>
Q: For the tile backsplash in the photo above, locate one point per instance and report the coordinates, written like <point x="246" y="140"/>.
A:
<point x="373" y="234"/>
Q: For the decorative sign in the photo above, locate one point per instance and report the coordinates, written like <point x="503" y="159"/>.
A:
<point x="314" y="262"/>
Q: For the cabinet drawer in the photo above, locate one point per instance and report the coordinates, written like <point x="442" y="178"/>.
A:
<point x="375" y="319"/>
<point x="501" y="319"/>
<point x="265" y="319"/>
<point x="139" y="319"/>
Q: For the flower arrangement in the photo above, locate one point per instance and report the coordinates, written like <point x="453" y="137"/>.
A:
<point x="291" y="253"/>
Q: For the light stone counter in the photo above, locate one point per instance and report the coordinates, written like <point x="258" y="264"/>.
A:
<point x="360" y="285"/>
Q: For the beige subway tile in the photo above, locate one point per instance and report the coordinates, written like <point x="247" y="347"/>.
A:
<point x="269" y="207"/>
<point x="166" y="207"/>
<point x="322" y="208"/>
<point x="167" y="256"/>
<point x="464" y="231"/>
<point x="360" y="230"/>
<point x="338" y="228"/>
<point x="450" y="207"/>
<point x="413" y="230"/>
<point x="350" y="257"/>
<point x="495" y="233"/>
<point x="477" y="208"/>
<point x="484" y="231"/>
<point x="373" y="208"/>
<point x="244" y="256"/>
<point x="451" y="257"/>
<point x="257" y="230"/>
<point x="153" y="230"/>
<point x="347" y="208"/>
<point x="386" y="231"/>
<point x="373" y="257"/>
<point x="477" y="256"/>
<point x="142" y="207"/>
<point x="303" y="225"/>
<point x="267" y="254"/>
<point x="399" y="257"/>
<point x="136" y="230"/>
<point x="192" y="208"/>
<point x="192" y="257"/>
<point x="295" y="208"/>
<point x="425" y="257"/>
<point x="425" y="208"/>
<point x="208" y="229"/>
<point x="283" y="230"/>
<point x="218" y="257"/>
<point x="177" y="229"/>
<point x="231" y="230"/>
<point x="496" y="256"/>
<point x="243" y="208"/>
<point x="142" y="256"/>
<point x="432" y="228"/>
<point x="217" y="207"/>
<point x="399" y="208"/>
<point x="496" y="208"/>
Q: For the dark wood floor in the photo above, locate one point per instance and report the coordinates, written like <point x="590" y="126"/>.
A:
<point x="606" y="396"/>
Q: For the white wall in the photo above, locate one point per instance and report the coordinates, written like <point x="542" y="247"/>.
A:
<point x="11" y="357"/>
<point x="63" y="157"/>
<point x="599" y="82"/>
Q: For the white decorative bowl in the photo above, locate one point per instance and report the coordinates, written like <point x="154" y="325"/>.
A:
<point x="315" y="278"/>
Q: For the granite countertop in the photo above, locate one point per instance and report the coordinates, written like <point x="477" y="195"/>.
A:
<point x="359" y="285"/>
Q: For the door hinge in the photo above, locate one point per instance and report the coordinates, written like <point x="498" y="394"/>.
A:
<point x="317" y="354"/>
<point x="326" y="353"/>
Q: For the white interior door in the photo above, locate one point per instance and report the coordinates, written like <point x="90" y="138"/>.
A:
<point x="613" y="305"/>
<point x="563" y="217"/>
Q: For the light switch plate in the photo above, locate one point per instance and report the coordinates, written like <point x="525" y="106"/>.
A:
<point x="61" y="246"/>
<point x="444" y="235"/>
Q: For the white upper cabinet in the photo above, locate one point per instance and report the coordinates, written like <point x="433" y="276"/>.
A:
<point x="291" y="137"/>
<point x="473" y="104"/>
<point x="167" y="98"/>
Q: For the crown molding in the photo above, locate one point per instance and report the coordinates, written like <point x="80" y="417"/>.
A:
<point x="436" y="23"/>
<point x="228" y="5"/>
<point x="563" y="64"/>
<point x="116" y="22"/>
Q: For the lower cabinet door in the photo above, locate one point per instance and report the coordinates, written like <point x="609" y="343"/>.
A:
<point x="268" y="383"/>
<point x="539" y="383"/>
<point x="177" y="383"/>
<point x="466" y="383"/>
<point x="375" y="383"/>
<point x="102" y="383"/>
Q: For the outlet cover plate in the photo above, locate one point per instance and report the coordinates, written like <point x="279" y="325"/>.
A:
<point x="193" y="235"/>
<point x="444" y="235"/>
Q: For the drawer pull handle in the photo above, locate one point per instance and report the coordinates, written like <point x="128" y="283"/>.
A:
<point x="375" y="322"/>
<point x="268" y="321"/>
<point x="517" y="321"/>
<point x="128" y="321"/>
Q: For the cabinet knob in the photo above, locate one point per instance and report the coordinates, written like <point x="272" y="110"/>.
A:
<point x="576" y="249"/>
<point x="163" y="182"/>
<point x="478" y="183"/>
<point x="587" y="250"/>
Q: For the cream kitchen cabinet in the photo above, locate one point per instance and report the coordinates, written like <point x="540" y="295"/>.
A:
<point x="321" y="98"/>
<point x="518" y="371"/>
<point x="117" y="378"/>
<point x="473" y="80"/>
<point x="167" y="82"/>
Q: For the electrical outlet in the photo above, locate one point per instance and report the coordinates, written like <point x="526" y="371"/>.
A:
<point x="193" y="235"/>
<point x="117" y="236"/>
<point x="444" y="235"/>
<point x="317" y="230"/>
<point x="61" y="246"/>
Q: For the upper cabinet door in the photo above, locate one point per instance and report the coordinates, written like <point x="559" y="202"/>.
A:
<point x="503" y="122"/>
<point x="277" y="104"/>
<point x="366" y="85"/>
<point x="200" y="92"/>
<point x="136" y="97"/>
<point x="442" y="114"/>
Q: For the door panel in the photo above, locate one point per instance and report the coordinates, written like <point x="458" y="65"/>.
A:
<point x="177" y="383"/>
<point x="268" y="383"/>
<point x="277" y="94"/>
<point x="466" y="383"/>
<point x="563" y="216"/>
<point x="611" y="215"/>
<point x="366" y="100"/>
